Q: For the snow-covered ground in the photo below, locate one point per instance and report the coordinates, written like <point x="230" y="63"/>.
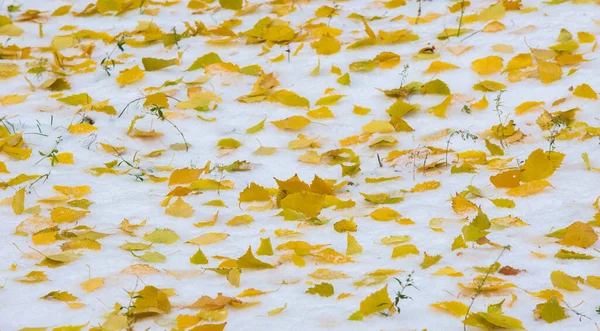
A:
<point x="44" y="120"/>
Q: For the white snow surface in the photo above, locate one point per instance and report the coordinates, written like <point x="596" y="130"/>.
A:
<point x="122" y="197"/>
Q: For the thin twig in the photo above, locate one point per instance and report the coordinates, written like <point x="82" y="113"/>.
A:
<point x="142" y="98"/>
<point x="462" y="13"/>
<point x="479" y="288"/>
<point x="418" y="12"/>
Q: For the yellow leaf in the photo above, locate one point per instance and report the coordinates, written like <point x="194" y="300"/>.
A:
<point x="391" y="4"/>
<point x="550" y="311"/>
<point x="387" y="60"/>
<point x="233" y="277"/>
<point x="358" y="110"/>
<point x="162" y="236"/>
<point x="211" y="184"/>
<point x="502" y="321"/>
<point x="321" y="113"/>
<point x="547" y="294"/>
<point x="12" y="99"/>
<point x="326" y="45"/>
<point x="18" y="202"/>
<point x="329" y="100"/>
<point x="265" y="247"/>
<point x="371" y="180"/>
<point x="404" y="250"/>
<point x="92" y="284"/>
<point x="62" y="10"/>
<point x="233" y="5"/>
<point x="585" y="37"/>
<point x="378" y="126"/>
<point x="208" y="239"/>
<point x="198" y="258"/>
<point x="481" y="104"/>
<point x="276" y="311"/>
<point x="549" y="72"/>
<point x="307" y="203"/>
<point x="254" y="192"/>
<point x="463" y="206"/>
<point x="448" y="271"/>
<point x="502" y="48"/>
<point x="455" y="308"/>
<point x="366" y="65"/>
<point x="429" y="260"/>
<point x="184" y="176"/>
<point x="199" y="101"/>
<point x="240" y="220"/>
<point x="528" y="106"/>
<point x="76" y="99"/>
<point x="66" y="215"/>
<point x="152" y="64"/>
<point x="60" y="43"/>
<point x="385" y="214"/>
<point x="327" y="274"/>
<point x="376" y="302"/>
<point x="519" y="61"/>
<point x="278" y="58"/>
<point x="257" y="127"/>
<point x="506" y="179"/>
<point x="585" y="91"/>
<point x="394" y="240"/>
<point x="487" y="65"/>
<point x="488" y="86"/>
<point x="249" y="261"/>
<point x="593" y="281"/>
<point x="65" y="158"/>
<point x="180" y="208"/>
<point x="45" y="237"/>
<point x="435" y="87"/>
<point x="352" y="247"/>
<point x="130" y="76"/>
<point x="288" y="98"/>
<point x="529" y="188"/>
<point x="73" y="191"/>
<point x="493" y="12"/>
<point x="425" y="186"/>
<point x="251" y="292"/>
<point x="82" y="128"/>
<point x="540" y="166"/>
<point x="292" y="123"/>
<point x="33" y="277"/>
<point x="562" y="280"/>
<point x="330" y="255"/>
<point x="503" y="203"/>
<point x="440" y="110"/>
<point x="228" y="143"/>
<point x="579" y="234"/>
<point x="203" y="61"/>
<point x="439" y="66"/>
<point x="322" y="289"/>
<point x="344" y="79"/>
<point x="566" y="254"/>
<point x="10" y="30"/>
<point x="150" y="301"/>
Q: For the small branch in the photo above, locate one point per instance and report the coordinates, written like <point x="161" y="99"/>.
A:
<point x="479" y="288"/>
<point x="418" y="12"/>
<point x="460" y="20"/>
<point x="141" y="98"/>
<point x="181" y="133"/>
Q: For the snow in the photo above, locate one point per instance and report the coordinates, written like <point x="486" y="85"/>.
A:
<point x="122" y="197"/>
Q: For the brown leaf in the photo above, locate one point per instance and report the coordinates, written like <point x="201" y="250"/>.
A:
<point x="510" y="271"/>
